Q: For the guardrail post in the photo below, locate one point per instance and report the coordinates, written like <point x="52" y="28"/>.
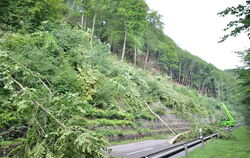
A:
<point x="202" y="143"/>
<point x="201" y="137"/>
<point x="186" y="150"/>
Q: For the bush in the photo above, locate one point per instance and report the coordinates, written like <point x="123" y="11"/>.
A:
<point x="159" y="110"/>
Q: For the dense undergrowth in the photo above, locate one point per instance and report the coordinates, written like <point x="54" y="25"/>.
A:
<point x="56" y="90"/>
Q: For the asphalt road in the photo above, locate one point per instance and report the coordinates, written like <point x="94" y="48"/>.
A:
<point x="139" y="149"/>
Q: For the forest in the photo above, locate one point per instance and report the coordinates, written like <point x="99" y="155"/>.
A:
<point x="69" y="68"/>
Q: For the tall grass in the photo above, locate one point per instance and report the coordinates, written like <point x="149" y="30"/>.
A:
<point x="238" y="147"/>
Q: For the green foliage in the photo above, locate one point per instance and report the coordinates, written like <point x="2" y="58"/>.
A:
<point x="159" y="110"/>
<point x="106" y="122"/>
<point x="143" y="130"/>
<point x="58" y="81"/>
<point x="215" y="128"/>
<point x="242" y="21"/>
<point x="207" y="129"/>
<point x="63" y="143"/>
<point x="110" y="133"/>
<point x="235" y="27"/>
<point x="132" y="13"/>
<point x="89" y="79"/>
<point x="28" y="15"/>
<point x="144" y="115"/>
<point x="72" y="68"/>
<point x="35" y="105"/>
<point x="109" y="114"/>
<point x="244" y="74"/>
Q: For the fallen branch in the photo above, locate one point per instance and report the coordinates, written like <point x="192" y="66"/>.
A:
<point x="172" y="140"/>
<point x="39" y="105"/>
<point x="160" y="118"/>
<point x="32" y="73"/>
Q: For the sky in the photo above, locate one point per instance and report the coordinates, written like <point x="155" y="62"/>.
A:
<point x="195" y="26"/>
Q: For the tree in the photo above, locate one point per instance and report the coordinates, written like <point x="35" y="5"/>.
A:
<point x="28" y="15"/>
<point x="244" y="73"/>
<point x="153" y="34"/>
<point x="132" y="14"/>
<point x="76" y="14"/>
<point x="97" y="7"/>
<point x="242" y="23"/>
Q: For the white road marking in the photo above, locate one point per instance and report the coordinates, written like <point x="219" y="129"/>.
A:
<point x="139" y="151"/>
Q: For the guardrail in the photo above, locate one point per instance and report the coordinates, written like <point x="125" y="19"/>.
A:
<point x="180" y="147"/>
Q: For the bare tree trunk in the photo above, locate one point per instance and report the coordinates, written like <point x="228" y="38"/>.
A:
<point x="124" y="44"/>
<point x="187" y="75"/>
<point x="85" y="23"/>
<point x="82" y="19"/>
<point x="146" y="60"/>
<point x="171" y="73"/>
<point x="191" y="82"/>
<point x="190" y="75"/>
<point x="93" y="28"/>
<point x="184" y="78"/>
<point x="135" y="56"/>
<point x="179" y="78"/>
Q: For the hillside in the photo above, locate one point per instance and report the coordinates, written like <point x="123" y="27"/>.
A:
<point x="77" y="75"/>
<point x="55" y="85"/>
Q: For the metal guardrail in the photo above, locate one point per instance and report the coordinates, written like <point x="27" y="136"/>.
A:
<point x="180" y="147"/>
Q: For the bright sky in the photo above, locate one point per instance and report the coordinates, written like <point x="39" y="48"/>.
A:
<point x="195" y="26"/>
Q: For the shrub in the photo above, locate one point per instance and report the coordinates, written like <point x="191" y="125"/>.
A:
<point x="159" y="110"/>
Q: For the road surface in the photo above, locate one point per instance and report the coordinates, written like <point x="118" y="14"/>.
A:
<point x="139" y="149"/>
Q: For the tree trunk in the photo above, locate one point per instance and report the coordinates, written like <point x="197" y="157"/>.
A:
<point x="82" y="20"/>
<point x="189" y="77"/>
<point x="85" y="23"/>
<point x="135" y="56"/>
<point x="124" y="44"/>
<point x="179" y="78"/>
<point x="111" y="42"/>
<point x="146" y="60"/>
<point x="184" y="78"/>
<point x="201" y="89"/>
<point x="93" y="28"/>
<point x="171" y="73"/>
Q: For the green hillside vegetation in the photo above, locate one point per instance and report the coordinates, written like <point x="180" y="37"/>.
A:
<point x="133" y="33"/>
<point x="70" y="68"/>
<point x="56" y="86"/>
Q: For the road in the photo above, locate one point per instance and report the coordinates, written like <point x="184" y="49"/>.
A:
<point x="139" y="149"/>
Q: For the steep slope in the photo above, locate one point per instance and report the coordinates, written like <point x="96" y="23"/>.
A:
<point x="56" y="86"/>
